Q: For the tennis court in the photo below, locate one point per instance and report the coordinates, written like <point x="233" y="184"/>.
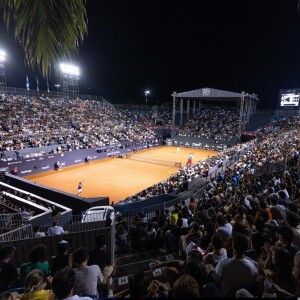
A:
<point x="118" y="178"/>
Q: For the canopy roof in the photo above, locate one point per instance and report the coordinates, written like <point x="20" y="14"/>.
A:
<point x="208" y="93"/>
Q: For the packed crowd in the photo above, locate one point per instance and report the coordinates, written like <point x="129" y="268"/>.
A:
<point x="32" y="122"/>
<point x="241" y="238"/>
<point x="212" y="124"/>
<point x="246" y="220"/>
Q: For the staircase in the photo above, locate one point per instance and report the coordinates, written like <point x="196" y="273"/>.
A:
<point x="131" y="263"/>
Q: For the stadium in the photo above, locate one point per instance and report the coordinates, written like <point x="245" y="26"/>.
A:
<point x="196" y="198"/>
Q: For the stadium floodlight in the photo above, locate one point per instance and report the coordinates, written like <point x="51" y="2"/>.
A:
<point x="68" y="78"/>
<point x="147" y="92"/>
<point x="2" y="72"/>
<point x="69" y="69"/>
<point x="2" y="55"/>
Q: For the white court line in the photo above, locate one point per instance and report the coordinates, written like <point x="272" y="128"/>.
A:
<point x="129" y="184"/>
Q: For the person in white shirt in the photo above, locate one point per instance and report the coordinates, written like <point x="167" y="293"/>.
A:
<point x="63" y="285"/>
<point x="245" y="269"/>
<point x="55" y="229"/>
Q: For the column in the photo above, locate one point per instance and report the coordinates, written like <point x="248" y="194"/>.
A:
<point x="181" y="110"/>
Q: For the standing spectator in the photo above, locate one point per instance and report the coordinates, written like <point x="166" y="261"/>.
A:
<point x="56" y="229"/>
<point x="37" y="260"/>
<point x="8" y="272"/>
<point x="245" y="270"/>
<point x="63" y="285"/>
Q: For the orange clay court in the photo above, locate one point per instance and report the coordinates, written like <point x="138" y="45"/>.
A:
<point x="118" y="178"/>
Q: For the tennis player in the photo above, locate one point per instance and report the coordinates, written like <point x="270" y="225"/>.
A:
<point x="178" y="150"/>
<point x="79" y="188"/>
<point x="190" y="160"/>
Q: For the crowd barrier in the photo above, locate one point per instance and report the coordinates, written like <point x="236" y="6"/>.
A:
<point x="75" y="239"/>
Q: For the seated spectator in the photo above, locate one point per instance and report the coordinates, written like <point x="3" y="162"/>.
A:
<point x="245" y="270"/>
<point x="293" y="222"/>
<point x="193" y="235"/>
<point x="63" y="285"/>
<point x="8" y="272"/>
<point x="278" y="269"/>
<point x="215" y="251"/>
<point x="186" y="287"/>
<point x="122" y="237"/>
<point x="62" y="259"/>
<point x="56" y="229"/>
<point x="35" y="285"/>
<point x="149" y="235"/>
<point x="101" y="257"/>
<point x="88" y="278"/>
<point x="138" y="285"/>
<point x="37" y="260"/>
<point x="36" y="231"/>
<point x="286" y="237"/>
<point x="222" y="229"/>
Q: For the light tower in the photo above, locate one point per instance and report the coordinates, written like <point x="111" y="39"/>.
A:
<point x="146" y="94"/>
<point x="68" y="78"/>
<point x="2" y="73"/>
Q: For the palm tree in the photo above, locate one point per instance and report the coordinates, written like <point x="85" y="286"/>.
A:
<point x="48" y="30"/>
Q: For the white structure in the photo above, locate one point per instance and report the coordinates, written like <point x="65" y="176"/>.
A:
<point x="2" y="72"/>
<point x="68" y="78"/>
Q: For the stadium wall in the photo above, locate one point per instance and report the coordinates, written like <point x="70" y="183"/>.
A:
<point x="36" y="165"/>
<point x="76" y="240"/>
<point x="78" y="204"/>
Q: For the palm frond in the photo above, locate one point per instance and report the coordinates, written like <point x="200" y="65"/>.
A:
<point x="48" y="30"/>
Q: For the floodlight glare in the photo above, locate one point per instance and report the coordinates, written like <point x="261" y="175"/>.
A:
<point x="69" y="69"/>
<point x="2" y="55"/>
<point x="147" y="92"/>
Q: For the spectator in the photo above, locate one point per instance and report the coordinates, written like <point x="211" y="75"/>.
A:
<point x="37" y="260"/>
<point x="62" y="260"/>
<point x="56" y="229"/>
<point x="88" y="278"/>
<point x="278" y="269"/>
<point x="36" y="231"/>
<point x="8" y="272"/>
<point x="35" y="285"/>
<point x="246" y="270"/>
<point x="218" y="252"/>
<point x="63" y="285"/>
<point x="186" y="287"/>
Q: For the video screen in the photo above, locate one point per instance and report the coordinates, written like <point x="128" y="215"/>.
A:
<point x="289" y="98"/>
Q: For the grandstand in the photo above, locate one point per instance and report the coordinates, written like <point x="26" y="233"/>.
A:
<point x="244" y="182"/>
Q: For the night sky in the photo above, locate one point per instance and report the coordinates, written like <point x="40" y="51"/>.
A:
<point x="166" y="46"/>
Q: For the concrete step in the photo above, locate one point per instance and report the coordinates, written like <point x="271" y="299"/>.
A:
<point x="135" y="263"/>
<point x="131" y="257"/>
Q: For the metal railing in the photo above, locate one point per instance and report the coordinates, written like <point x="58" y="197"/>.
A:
<point x="149" y="211"/>
<point x="10" y="221"/>
<point x="21" y="233"/>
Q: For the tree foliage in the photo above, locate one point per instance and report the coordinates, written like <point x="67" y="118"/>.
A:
<point x="48" y="30"/>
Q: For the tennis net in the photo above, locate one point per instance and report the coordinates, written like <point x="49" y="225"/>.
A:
<point x="154" y="160"/>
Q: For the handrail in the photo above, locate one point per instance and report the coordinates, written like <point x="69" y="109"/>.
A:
<point x="20" y="233"/>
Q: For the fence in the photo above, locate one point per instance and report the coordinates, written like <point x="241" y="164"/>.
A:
<point x="24" y="232"/>
<point x="75" y="240"/>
